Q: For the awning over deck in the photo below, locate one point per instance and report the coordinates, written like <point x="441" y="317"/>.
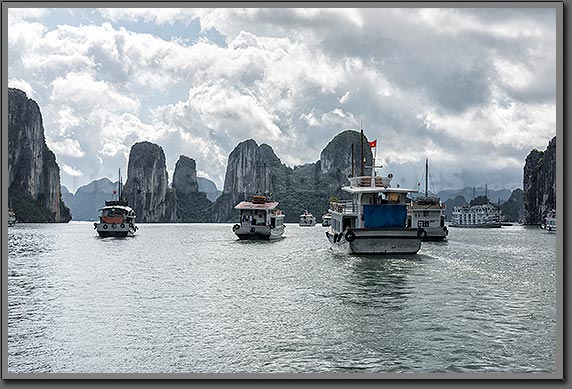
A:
<point x="250" y="205"/>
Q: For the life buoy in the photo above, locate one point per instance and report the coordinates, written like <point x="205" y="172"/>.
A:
<point x="350" y="236"/>
<point x="105" y="226"/>
<point x="122" y="225"/>
<point x="114" y="225"/>
<point x="421" y="233"/>
<point x="235" y="227"/>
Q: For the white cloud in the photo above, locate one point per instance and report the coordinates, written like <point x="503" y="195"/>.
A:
<point x="292" y="78"/>
<point x="71" y="171"/>
<point x="22" y="85"/>
<point x="18" y="14"/>
<point x="66" y="147"/>
<point x="82" y="89"/>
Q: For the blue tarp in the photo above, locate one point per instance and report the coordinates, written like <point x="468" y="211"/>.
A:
<point x="384" y="215"/>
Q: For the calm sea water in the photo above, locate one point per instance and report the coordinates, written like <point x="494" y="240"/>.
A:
<point x="192" y="298"/>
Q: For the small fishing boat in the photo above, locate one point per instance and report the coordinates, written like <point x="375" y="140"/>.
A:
<point x="374" y="220"/>
<point x="427" y="212"/>
<point x="259" y="219"/>
<point x="326" y="220"/>
<point x="11" y="217"/>
<point x="117" y="217"/>
<point x="307" y="220"/>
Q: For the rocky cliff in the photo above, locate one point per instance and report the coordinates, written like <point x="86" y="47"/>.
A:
<point x="33" y="174"/>
<point x="513" y="208"/>
<point x="88" y="199"/>
<point x="539" y="183"/>
<point x="147" y="183"/>
<point x="185" y="204"/>
<point x="254" y="168"/>
<point x="185" y="175"/>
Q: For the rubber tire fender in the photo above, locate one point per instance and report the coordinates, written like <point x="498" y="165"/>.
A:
<point x="350" y="236"/>
<point x="421" y="233"/>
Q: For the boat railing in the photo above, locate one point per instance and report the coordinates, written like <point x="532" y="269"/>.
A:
<point x="344" y="207"/>
<point x="366" y="181"/>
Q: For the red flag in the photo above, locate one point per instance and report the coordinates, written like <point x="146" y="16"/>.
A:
<point x="373" y="143"/>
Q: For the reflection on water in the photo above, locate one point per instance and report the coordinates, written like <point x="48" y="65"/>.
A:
<point x="194" y="298"/>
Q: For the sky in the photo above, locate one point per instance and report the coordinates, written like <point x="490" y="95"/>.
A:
<point x="472" y="90"/>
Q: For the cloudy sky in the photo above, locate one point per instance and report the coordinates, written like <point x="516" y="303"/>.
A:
<point x="473" y="90"/>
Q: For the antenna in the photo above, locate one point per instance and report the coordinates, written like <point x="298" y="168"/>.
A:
<point x="119" y="185"/>
<point x="362" y="157"/>
<point x="264" y="179"/>
<point x="426" y="175"/>
<point x="352" y="159"/>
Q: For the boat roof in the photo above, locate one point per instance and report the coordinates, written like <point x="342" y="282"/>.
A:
<point x="250" y="205"/>
<point x="369" y="189"/>
<point x="123" y="207"/>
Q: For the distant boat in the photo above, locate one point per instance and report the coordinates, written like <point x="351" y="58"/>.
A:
<point x="307" y="220"/>
<point x="550" y="221"/>
<point x="326" y="219"/>
<point x="117" y="217"/>
<point x="11" y="217"/>
<point x="476" y="216"/>
<point x="428" y="213"/>
<point x="374" y="220"/>
<point x="259" y="219"/>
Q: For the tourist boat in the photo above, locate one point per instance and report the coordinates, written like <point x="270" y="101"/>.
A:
<point x="11" y="217"/>
<point x="550" y="221"/>
<point x="259" y="219"/>
<point x="117" y="217"/>
<point x="476" y="216"/>
<point x="374" y="220"/>
<point x="428" y="213"/>
<point x="326" y="220"/>
<point x="307" y="220"/>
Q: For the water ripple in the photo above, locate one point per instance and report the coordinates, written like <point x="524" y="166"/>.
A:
<point x="193" y="298"/>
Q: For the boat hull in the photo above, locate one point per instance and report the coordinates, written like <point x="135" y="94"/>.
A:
<point x="490" y="225"/>
<point x="259" y="232"/>
<point x="435" y="234"/>
<point x="378" y="241"/>
<point x="105" y="230"/>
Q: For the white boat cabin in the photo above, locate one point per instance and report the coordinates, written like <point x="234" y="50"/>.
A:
<point x="374" y="204"/>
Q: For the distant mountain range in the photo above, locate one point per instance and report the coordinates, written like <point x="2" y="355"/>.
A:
<point x="88" y="199"/>
<point x="209" y="187"/>
<point x="495" y="196"/>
